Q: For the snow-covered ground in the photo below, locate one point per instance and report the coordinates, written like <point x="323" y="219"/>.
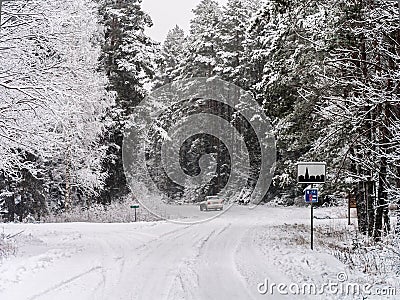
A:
<point x="234" y="256"/>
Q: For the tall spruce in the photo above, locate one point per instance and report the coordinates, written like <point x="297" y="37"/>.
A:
<point x="237" y="16"/>
<point x="171" y="55"/>
<point x="128" y="60"/>
<point x="202" y="45"/>
<point x="284" y="52"/>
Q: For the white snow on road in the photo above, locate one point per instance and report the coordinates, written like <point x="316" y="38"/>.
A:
<point x="226" y="258"/>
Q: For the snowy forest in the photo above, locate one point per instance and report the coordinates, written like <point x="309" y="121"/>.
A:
<point x="326" y="73"/>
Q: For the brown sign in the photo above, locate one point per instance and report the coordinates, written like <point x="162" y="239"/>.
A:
<point x="352" y="201"/>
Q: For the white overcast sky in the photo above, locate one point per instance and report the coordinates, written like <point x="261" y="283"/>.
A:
<point x="168" y="13"/>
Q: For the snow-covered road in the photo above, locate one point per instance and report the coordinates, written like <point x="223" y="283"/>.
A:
<point x="225" y="258"/>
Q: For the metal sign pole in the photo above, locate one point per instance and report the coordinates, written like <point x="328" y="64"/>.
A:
<point x="312" y="220"/>
<point x="135" y="214"/>
<point x="312" y="226"/>
<point x="311" y="173"/>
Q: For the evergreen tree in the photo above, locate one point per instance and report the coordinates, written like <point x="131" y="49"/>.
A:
<point x="128" y="60"/>
<point x="171" y="55"/>
<point x="284" y="52"/>
<point x="202" y="44"/>
<point x="236" y="20"/>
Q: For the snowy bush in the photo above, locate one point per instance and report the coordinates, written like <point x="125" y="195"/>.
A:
<point x="359" y="252"/>
<point x="7" y="245"/>
<point x="377" y="263"/>
<point x="117" y="212"/>
<point x="396" y="255"/>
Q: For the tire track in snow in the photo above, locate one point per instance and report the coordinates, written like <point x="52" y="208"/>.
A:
<point x="161" y="265"/>
<point x="216" y="268"/>
<point x="187" y="280"/>
<point x="65" y="282"/>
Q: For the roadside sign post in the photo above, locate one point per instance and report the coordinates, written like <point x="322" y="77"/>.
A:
<point x="311" y="173"/>
<point x="311" y="196"/>
<point x="312" y="227"/>
<point x="135" y="207"/>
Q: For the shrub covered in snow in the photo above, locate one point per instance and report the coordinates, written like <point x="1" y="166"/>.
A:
<point x="7" y="245"/>
<point x="116" y="212"/>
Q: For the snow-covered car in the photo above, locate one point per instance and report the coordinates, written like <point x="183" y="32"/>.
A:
<point x="212" y="203"/>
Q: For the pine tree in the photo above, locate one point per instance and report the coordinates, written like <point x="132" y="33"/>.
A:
<point x="128" y="60"/>
<point x="202" y="45"/>
<point x="232" y="30"/>
<point x="171" y="55"/>
<point x="284" y="52"/>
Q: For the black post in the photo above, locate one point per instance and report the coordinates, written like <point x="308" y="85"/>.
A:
<point x="135" y="214"/>
<point x="312" y="226"/>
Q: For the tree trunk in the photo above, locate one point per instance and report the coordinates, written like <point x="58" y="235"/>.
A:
<point x="382" y="219"/>
<point x="10" y="203"/>
<point x="369" y="199"/>
<point x="361" y="208"/>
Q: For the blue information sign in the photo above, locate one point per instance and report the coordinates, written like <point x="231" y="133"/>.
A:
<point x="311" y="195"/>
